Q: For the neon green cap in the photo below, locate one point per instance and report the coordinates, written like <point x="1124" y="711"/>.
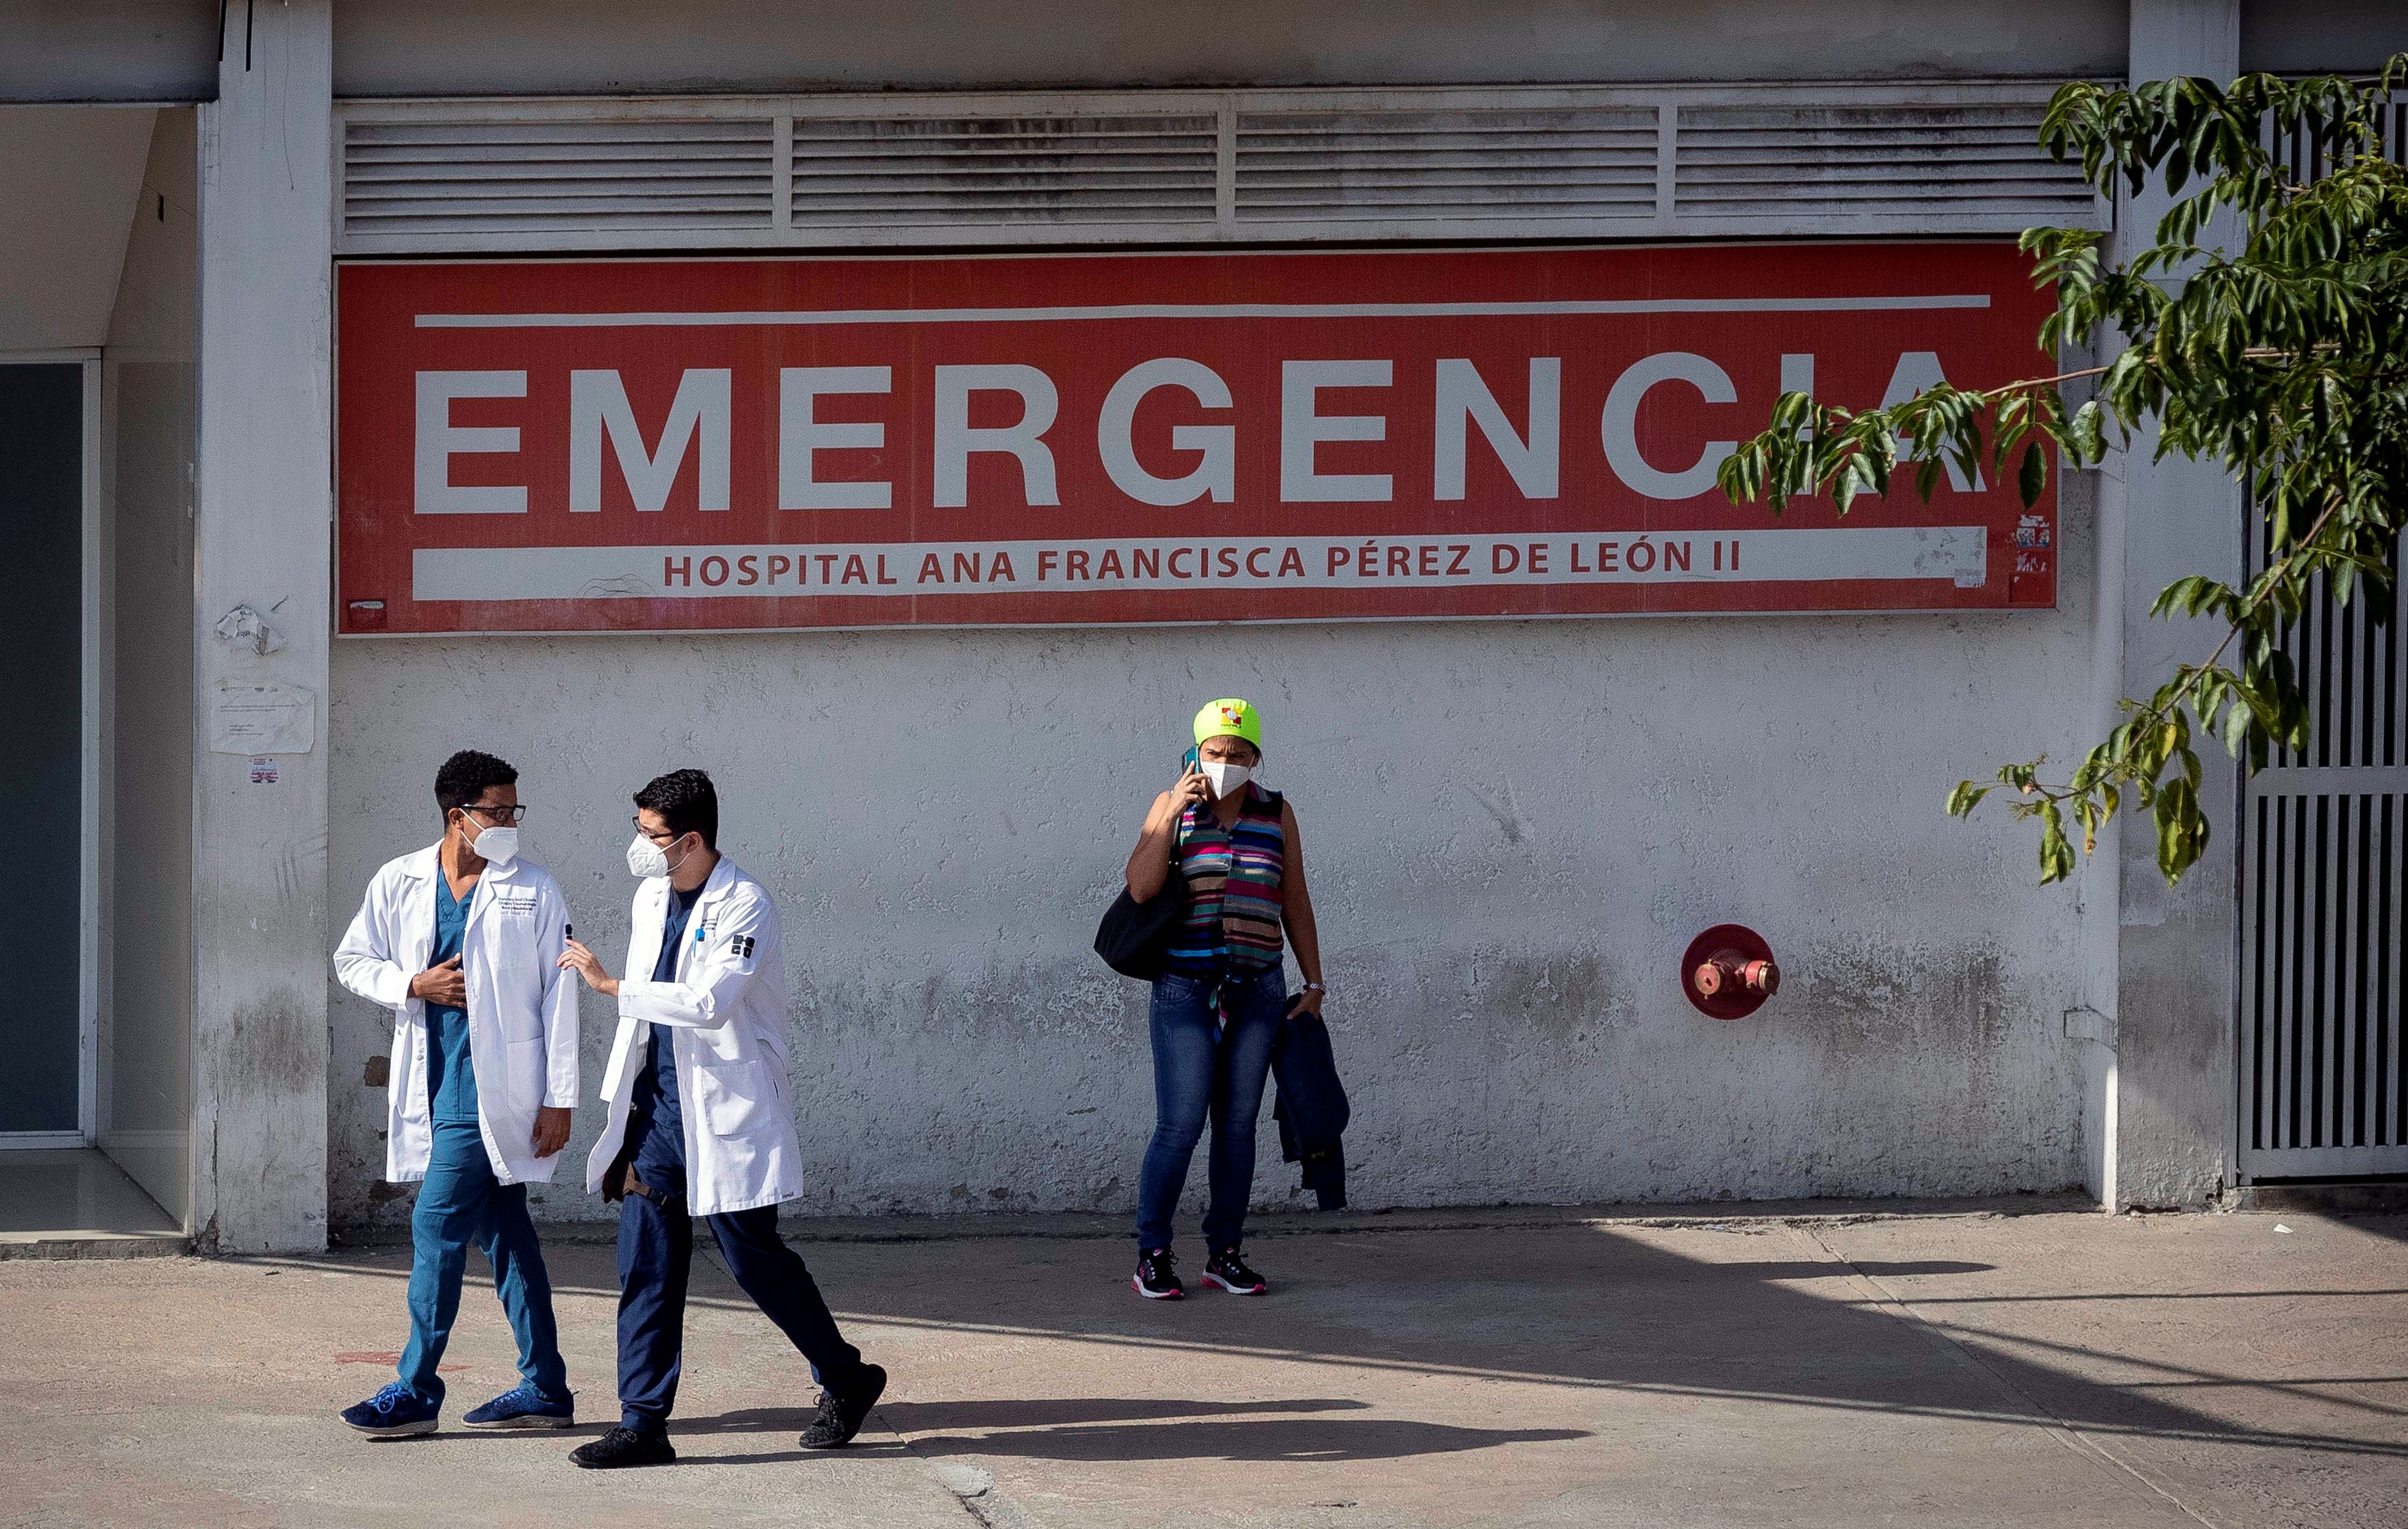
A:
<point x="1232" y="718"/>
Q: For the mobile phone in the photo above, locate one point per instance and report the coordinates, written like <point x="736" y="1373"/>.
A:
<point x="1189" y="761"/>
<point x="568" y="931"/>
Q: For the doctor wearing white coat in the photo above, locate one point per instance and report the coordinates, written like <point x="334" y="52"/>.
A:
<point x="461" y="941"/>
<point x="699" y="1123"/>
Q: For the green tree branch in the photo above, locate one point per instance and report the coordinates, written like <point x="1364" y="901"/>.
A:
<point x="2287" y="363"/>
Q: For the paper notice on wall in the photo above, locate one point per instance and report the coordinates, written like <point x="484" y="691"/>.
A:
<point x="260" y="717"/>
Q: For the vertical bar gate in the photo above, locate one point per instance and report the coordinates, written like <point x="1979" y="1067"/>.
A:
<point x="2324" y="884"/>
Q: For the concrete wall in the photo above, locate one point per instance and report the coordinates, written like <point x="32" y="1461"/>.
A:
<point x="148" y="50"/>
<point x="1512" y="828"/>
<point x="149" y="374"/>
<point x="67" y="180"/>
<point x="2174" y="998"/>
<point x="515" y="47"/>
<point x="262" y="538"/>
<point x="2299" y="37"/>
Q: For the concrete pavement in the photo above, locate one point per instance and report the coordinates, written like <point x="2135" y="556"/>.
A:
<point x="1790" y="1365"/>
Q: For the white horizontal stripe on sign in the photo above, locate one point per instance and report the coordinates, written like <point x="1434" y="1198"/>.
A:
<point x="1958" y="553"/>
<point x="1197" y="311"/>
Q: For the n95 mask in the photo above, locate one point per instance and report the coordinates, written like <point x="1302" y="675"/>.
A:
<point x="1226" y="778"/>
<point x="646" y="859"/>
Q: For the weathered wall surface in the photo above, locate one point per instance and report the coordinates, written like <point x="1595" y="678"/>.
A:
<point x="515" y="47"/>
<point x="1512" y="830"/>
<point x="264" y="478"/>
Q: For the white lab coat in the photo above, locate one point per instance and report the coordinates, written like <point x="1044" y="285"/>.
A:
<point x="726" y="1014"/>
<point x="522" y="1007"/>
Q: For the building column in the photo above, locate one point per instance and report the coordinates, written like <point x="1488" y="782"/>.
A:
<point x="262" y="541"/>
<point x="2165" y="1127"/>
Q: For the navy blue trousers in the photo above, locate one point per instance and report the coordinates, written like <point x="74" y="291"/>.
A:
<point x="655" y="1256"/>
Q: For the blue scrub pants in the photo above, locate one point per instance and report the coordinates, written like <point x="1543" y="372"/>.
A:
<point x="655" y="1257"/>
<point x="1211" y="1058"/>
<point x="460" y="1204"/>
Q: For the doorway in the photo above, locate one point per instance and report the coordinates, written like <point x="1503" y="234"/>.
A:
<point x="47" y="1089"/>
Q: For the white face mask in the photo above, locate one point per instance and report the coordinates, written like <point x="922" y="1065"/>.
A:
<point x="647" y="860"/>
<point x="496" y="846"/>
<point x="1226" y="778"/>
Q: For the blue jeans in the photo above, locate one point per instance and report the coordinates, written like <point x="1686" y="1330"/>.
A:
<point x="1207" y="1063"/>
<point x="462" y="1202"/>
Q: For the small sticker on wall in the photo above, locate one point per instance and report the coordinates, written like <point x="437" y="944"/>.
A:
<point x="263" y="770"/>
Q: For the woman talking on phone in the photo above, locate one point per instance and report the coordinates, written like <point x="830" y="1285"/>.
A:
<point x="1218" y="1004"/>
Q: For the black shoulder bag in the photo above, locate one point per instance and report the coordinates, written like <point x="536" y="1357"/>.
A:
<point x="1133" y="937"/>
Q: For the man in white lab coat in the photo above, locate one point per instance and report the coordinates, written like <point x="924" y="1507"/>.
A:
<point x="699" y="1124"/>
<point x="462" y="941"/>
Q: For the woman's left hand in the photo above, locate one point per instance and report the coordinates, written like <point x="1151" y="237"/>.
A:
<point x="1306" y="1002"/>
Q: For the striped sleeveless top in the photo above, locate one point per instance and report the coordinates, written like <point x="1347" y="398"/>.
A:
<point x="1232" y="925"/>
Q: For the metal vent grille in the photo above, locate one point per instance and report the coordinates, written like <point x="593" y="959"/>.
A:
<point x="422" y="177"/>
<point x="928" y="172"/>
<point x="1168" y="167"/>
<point x="1470" y="165"/>
<point x="2325" y="879"/>
<point x="1934" y="162"/>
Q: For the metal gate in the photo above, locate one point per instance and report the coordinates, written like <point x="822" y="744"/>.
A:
<point x="2323" y="1081"/>
<point x="2324" y="884"/>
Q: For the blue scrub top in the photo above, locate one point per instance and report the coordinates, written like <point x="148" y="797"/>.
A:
<point x="450" y="1077"/>
<point x="659" y="1112"/>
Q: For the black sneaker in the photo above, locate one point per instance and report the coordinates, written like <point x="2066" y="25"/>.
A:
<point x="622" y="1446"/>
<point x="841" y="1416"/>
<point x="1229" y="1271"/>
<point x="1157" y="1276"/>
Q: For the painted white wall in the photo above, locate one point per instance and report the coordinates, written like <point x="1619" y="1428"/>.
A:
<point x="523" y="47"/>
<point x="1512" y="830"/>
<point x="148" y="373"/>
<point x="262" y="538"/>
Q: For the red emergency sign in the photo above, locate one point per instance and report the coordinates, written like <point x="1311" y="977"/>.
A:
<point x="723" y="444"/>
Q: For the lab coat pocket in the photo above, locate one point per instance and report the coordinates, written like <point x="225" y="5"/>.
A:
<point x="527" y="1065"/>
<point x="735" y="1097"/>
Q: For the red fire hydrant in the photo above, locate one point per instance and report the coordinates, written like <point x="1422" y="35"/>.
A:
<point x="1728" y="972"/>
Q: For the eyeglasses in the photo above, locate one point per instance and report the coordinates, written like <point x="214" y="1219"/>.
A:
<point x="666" y="836"/>
<point x="501" y="815"/>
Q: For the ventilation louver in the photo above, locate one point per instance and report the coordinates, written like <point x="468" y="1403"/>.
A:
<point x="930" y="172"/>
<point x="1937" y="163"/>
<point x="1197" y="168"/>
<point x="421" y="177"/>
<point x="1446" y="165"/>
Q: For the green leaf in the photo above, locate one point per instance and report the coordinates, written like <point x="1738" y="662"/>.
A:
<point x="2031" y="475"/>
<point x="1965" y="798"/>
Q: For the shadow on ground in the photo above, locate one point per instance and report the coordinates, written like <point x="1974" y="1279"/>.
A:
<point x="1574" y="1302"/>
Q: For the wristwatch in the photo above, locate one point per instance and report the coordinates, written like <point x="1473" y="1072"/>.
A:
<point x="1314" y="988"/>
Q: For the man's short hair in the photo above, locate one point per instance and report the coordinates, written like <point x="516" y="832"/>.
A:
<point x="469" y="775"/>
<point x="687" y="803"/>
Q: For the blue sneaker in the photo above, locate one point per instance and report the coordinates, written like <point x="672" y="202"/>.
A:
<point x="522" y="1408"/>
<point x="394" y="1412"/>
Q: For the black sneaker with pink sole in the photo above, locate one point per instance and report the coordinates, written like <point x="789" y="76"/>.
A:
<point x="1229" y="1272"/>
<point x="1157" y="1276"/>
